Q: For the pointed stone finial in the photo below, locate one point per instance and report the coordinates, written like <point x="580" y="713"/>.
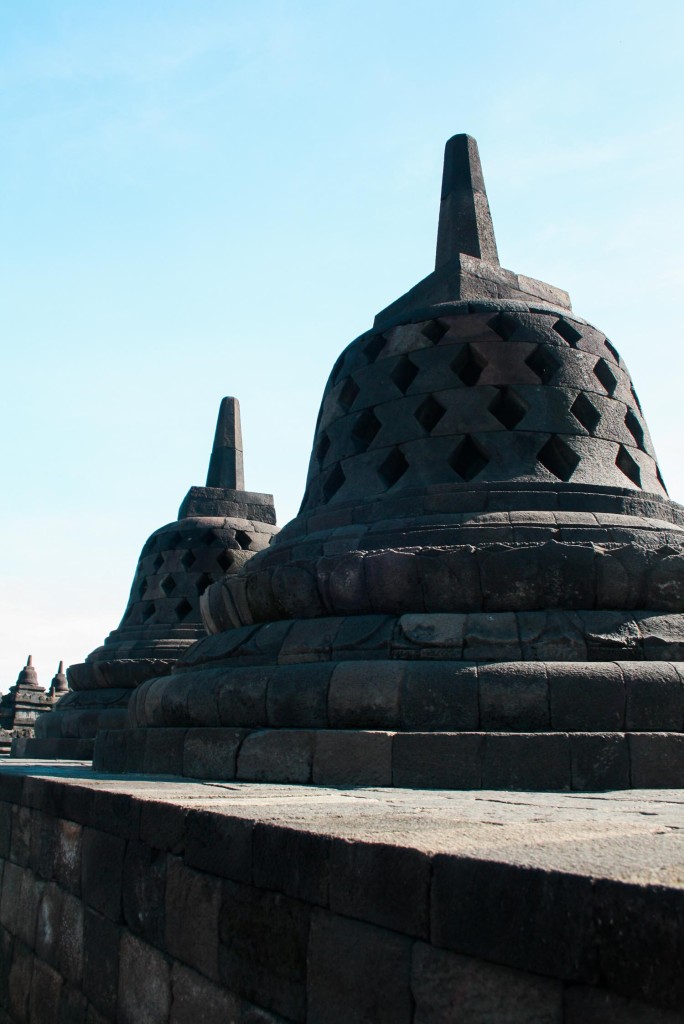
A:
<point x="28" y="676"/>
<point x="59" y="682"/>
<point x="465" y="223"/>
<point x="225" y="466"/>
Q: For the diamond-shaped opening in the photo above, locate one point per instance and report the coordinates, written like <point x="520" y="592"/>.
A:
<point x="347" y="395"/>
<point x="587" y="413"/>
<point x="558" y="458"/>
<point x="187" y="559"/>
<point x="374" y="347"/>
<point x="429" y="413"/>
<point x="606" y="376"/>
<point x="543" y="362"/>
<point x="225" y="560"/>
<point x="393" y="467"/>
<point x="183" y="609"/>
<point x="148" y="611"/>
<point x="469" y="458"/>
<point x="636" y="399"/>
<point x="434" y="331"/>
<point x="504" y="325"/>
<point x="202" y="582"/>
<point x="333" y="482"/>
<point x="635" y="428"/>
<point x="613" y="351"/>
<point x="626" y="464"/>
<point x="508" y="407"/>
<point x="207" y="538"/>
<point x="168" y="585"/>
<point x="404" y="373"/>
<point x="567" y="332"/>
<point x="468" y="365"/>
<point x="244" y="539"/>
<point x="365" y="429"/>
<point x="322" y="447"/>
<point x="660" y="479"/>
<point x="158" y="562"/>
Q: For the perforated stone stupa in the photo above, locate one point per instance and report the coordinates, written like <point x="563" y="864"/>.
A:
<point x="219" y="528"/>
<point x="484" y="584"/>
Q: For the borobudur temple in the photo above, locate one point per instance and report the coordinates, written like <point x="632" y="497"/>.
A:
<point x="484" y="584"/>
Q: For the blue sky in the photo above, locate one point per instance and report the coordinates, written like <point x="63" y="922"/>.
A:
<point x="213" y="198"/>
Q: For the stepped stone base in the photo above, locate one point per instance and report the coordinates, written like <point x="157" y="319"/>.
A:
<point x="539" y="761"/>
<point x="160" y="899"/>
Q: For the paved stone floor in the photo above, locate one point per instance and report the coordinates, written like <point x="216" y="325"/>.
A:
<point x="632" y="836"/>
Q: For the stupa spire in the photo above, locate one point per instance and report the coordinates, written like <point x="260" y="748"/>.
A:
<point x="226" y="463"/>
<point x="465" y="223"/>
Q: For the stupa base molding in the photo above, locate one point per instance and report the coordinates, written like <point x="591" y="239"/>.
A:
<point x="532" y="761"/>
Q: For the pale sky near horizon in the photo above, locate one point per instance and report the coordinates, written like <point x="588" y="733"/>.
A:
<point x="215" y="198"/>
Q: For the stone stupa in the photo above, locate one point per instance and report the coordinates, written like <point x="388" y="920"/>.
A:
<point x="21" y="707"/>
<point x="484" y="584"/>
<point x="219" y="528"/>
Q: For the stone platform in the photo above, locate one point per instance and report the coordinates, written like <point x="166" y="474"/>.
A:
<point x="129" y="899"/>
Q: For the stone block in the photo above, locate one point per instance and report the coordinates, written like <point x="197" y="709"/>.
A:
<point x="70" y="939"/>
<point x="101" y="872"/>
<point x="211" y="753"/>
<point x="45" y="993"/>
<point x="344" y="757"/>
<point x="48" y="925"/>
<point x="662" y="637"/>
<point x="510" y="578"/>
<point x="73" y="1007"/>
<point x="450" y="584"/>
<point x="113" y="812"/>
<point x="447" y="987"/>
<point x="7" y="942"/>
<point x="291" y="862"/>
<point x="437" y="760"/>
<point x="492" y="637"/>
<point x="600" y="761"/>
<point x="514" y="695"/>
<point x="298" y="696"/>
<point x="144" y="995"/>
<point x="359" y="634"/>
<point x="380" y="883"/>
<point x="30" y="895"/>
<point x="219" y="844"/>
<point x="276" y="755"/>
<point x="438" y="631"/>
<point x="586" y="697"/>
<point x="20" y="977"/>
<point x="656" y="760"/>
<point x="144" y="886"/>
<point x="10" y="904"/>
<point x="294" y="588"/>
<point x="100" y="962"/>
<point x="42" y="848"/>
<point x="164" y="751"/>
<point x="192" y="993"/>
<point x="551" y="636"/>
<point x="365" y="695"/>
<point x="193" y="901"/>
<point x="110" y="750"/>
<point x="655" y="697"/>
<point x="610" y="635"/>
<point x="5" y="829"/>
<point x="357" y="972"/>
<point x="242" y="697"/>
<point x="20" y="843"/>
<point x="584" y="1004"/>
<point x="262" y="956"/>
<point x="526" y="761"/>
<point x="510" y="914"/>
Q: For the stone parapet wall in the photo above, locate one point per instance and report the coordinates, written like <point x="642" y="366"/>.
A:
<point x="161" y="901"/>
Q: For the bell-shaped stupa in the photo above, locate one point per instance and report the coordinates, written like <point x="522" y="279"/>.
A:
<point x="484" y="585"/>
<point x="219" y="528"/>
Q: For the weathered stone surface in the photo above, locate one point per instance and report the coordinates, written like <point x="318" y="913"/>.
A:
<point x="357" y="972"/>
<point x="144" y="983"/>
<point x="193" y="901"/>
<point x="446" y="987"/>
